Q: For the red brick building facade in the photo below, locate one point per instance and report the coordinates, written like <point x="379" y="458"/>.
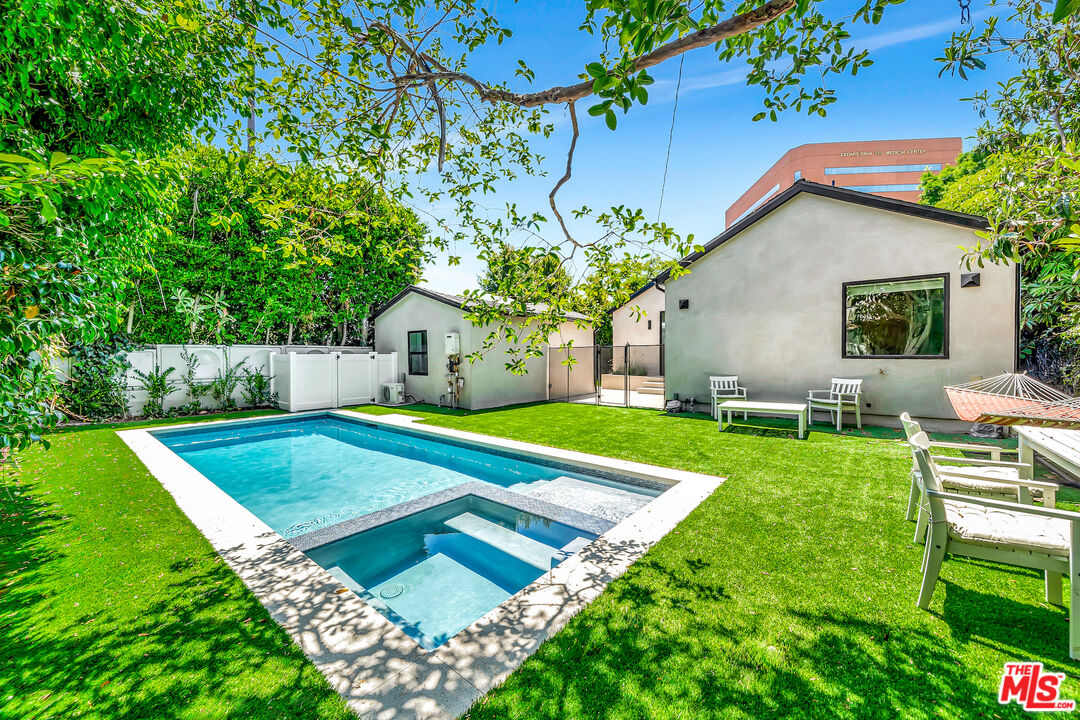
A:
<point x="891" y="168"/>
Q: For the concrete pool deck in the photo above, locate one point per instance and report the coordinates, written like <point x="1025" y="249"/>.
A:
<point x="377" y="668"/>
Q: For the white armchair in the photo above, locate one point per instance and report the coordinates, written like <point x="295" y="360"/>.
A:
<point x="1040" y="538"/>
<point x="845" y="394"/>
<point x="996" y="478"/>
<point x="725" y="387"/>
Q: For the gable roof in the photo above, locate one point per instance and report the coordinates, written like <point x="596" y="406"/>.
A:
<point x="459" y="302"/>
<point x="904" y="207"/>
<point x="643" y="288"/>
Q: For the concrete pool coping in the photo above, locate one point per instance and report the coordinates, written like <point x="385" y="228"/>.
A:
<point x="329" y="534"/>
<point x="374" y="665"/>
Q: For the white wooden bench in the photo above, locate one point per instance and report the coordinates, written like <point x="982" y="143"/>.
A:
<point x="799" y="410"/>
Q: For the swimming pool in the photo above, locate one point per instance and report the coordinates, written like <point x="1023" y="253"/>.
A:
<point x="297" y="474"/>
<point x="432" y="569"/>
<point x="374" y="663"/>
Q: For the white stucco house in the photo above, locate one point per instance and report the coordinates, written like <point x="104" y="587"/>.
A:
<point x="823" y="282"/>
<point x="414" y="324"/>
<point x="640" y="320"/>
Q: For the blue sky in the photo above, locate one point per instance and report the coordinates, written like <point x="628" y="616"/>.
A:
<point x="717" y="152"/>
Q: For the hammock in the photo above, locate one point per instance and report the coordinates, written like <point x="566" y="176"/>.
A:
<point x="1014" y="399"/>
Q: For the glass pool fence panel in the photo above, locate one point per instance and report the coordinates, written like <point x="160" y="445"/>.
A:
<point x="622" y="375"/>
<point x="573" y="381"/>
<point x="645" y="376"/>
<point x="613" y="385"/>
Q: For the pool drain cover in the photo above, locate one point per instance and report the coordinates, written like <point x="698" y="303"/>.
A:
<point x="392" y="591"/>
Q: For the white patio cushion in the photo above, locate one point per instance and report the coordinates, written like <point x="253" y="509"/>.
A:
<point x="984" y="471"/>
<point x="993" y="528"/>
<point x="987" y="487"/>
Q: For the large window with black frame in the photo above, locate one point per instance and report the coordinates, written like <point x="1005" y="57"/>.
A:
<point x="418" y="352"/>
<point x="897" y="318"/>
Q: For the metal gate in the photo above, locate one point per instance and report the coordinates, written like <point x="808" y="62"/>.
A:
<point x="622" y="376"/>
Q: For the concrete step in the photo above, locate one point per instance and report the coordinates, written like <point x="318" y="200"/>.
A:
<point x="523" y="548"/>
<point x="650" y="390"/>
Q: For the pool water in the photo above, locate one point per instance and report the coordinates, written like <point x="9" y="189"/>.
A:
<point x="300" y="474"/>
<point x="436" y="572"/>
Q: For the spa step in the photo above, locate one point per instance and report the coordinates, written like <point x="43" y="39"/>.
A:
<point x="342" y="577"/>
<point x="523" y="548"/>
<point x="603" y="501"/>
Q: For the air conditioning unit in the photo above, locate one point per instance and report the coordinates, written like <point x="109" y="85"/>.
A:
<point x="393" y="393"/>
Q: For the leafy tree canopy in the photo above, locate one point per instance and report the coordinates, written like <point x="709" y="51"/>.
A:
<point x="90" y="94"/>
<point x="610" y="286"/>
<point x="388" y="89"/>
<point x="1032" y="126"/>
<point x="511" y="269"/>
<point x="215" y="276"/>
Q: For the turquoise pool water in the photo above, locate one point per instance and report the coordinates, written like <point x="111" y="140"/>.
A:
<point x="437" y="571"/>
<point x="300" y="474"/>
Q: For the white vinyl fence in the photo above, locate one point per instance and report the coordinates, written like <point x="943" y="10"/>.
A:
<point x="305" y="377"/>
<point x="313" y="382"/>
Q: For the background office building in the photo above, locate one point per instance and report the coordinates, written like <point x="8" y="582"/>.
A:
<point x="891" y="168"/>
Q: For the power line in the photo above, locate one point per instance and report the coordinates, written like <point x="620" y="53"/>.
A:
<point x="671" y="135"/>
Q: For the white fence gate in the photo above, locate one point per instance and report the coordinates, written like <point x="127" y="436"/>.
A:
<point x="315" y="382"/>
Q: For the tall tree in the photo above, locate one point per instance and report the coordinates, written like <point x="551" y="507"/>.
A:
<point x="533" y="274"/>
<point x="89" y="93"/>
<point x="1032" y="125"/>
<point x="610" y="286"/>
<point x="389" y="89"/>
<point x="271" y="297"/>
<point x="1024" y="175"/>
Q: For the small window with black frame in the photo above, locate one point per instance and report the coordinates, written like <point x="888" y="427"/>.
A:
<point x="418" y="352"/>
<point x="897" y="318"/>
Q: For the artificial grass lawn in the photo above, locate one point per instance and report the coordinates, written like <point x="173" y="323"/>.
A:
<point x="789" y="593"/>
<point x="112" y="605"/>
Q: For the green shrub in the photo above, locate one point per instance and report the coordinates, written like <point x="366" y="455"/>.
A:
<point x="196" y="389"/>
<point x="97" y="388"/>
<point x="157" y="390"/>
<point x="255" y="387"/>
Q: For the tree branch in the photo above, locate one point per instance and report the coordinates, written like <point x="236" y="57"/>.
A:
<point x="732" y="27"/>
<point x="566" y="175"/>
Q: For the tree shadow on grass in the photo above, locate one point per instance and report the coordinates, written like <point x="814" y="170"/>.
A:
<point x="196" y="644"/>
<point x="199" y="650"/>
<point x="633" y="662"/>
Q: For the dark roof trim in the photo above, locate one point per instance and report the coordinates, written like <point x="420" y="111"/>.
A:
<point x="639" y="291"/>
<point x="903" y="207"/>
<point x="645" y="287"/>
<point x="454" y="301"/>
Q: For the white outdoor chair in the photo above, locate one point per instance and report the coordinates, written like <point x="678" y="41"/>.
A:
<point x="1030" y="536"/>
<point x="995" y="478"/>
<point x="725" y="387"/>
<point x="845" y="394"/>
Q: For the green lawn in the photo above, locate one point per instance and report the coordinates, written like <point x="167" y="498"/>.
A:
<point x="789" y="593"/>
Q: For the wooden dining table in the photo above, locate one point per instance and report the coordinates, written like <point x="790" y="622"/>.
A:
<point x="1060" y="447"/>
